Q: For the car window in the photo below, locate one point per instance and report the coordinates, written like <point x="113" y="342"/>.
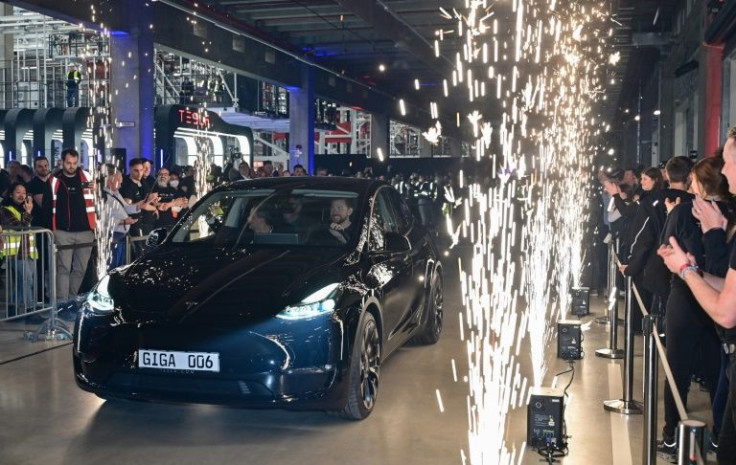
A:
<point x="271" y="217"/>
<point x="383" y="220"/>
<point x="404" y="217"/>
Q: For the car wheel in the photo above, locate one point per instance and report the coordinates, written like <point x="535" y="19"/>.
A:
<point x="432" y="330"/>
<point x="365" y="364"/>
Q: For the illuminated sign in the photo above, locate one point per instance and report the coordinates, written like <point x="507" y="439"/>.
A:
<point x="194" y="118"/>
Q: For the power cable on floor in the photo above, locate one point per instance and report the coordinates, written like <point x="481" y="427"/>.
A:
<point x="5" y="362"/>
<point x="552" y="452"/>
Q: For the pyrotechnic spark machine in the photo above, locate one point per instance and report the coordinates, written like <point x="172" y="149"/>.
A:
<point x="545" y="418"/>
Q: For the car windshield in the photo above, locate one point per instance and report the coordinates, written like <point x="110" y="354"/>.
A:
<point x="272" y="217"/>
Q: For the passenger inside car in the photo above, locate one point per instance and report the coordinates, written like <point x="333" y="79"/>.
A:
<point x="293" y="219"/>
<point x="260" y="221"/>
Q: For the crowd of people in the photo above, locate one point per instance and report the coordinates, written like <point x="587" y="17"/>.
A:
<point x="673" y="227"/>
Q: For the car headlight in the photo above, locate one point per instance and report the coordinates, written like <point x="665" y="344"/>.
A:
<point x="319" y="303"/>
<point x="99" y="300"/>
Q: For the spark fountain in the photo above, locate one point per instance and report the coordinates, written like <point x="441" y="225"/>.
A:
<point x="544" y="60"/>
<point x="100" y="99"/>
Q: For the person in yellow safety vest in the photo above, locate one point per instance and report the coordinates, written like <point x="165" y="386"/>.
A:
<point x="20" y="249"/>
<point x="73" y="78"/>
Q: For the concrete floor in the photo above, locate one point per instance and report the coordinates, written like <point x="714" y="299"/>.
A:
<point x="46" y="419"/>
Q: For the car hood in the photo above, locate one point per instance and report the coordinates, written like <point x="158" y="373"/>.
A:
<point x="220" y="286"/>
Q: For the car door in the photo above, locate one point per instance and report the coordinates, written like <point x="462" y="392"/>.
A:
<point x="418" y="254"/>
<point x="389" y="273"/>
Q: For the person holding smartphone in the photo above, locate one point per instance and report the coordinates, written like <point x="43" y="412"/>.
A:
<point x="119" y="214"/>
<point x="20" y="249"/>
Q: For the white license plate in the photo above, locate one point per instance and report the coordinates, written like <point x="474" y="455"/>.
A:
<point x="171" y="360"/>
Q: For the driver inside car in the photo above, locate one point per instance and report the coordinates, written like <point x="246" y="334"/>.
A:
<point x="259" y="221"/>
<point x="341" y="226"/>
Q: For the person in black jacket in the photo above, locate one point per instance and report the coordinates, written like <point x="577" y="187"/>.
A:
<point x="656" y="275"/>
<point x="691" y="336"/>
<point x="644" y="231"/>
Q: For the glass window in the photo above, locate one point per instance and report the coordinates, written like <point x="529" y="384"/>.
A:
<point x="404" y="217"/>
<point x="383" y="219"/>
<point x="270" y="217"/>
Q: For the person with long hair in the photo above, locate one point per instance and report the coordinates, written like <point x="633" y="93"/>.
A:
<point x="643" y="237"/>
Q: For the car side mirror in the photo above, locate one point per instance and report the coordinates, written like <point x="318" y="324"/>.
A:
<point x="396" y="243"/>
<point x="156" y="237"/>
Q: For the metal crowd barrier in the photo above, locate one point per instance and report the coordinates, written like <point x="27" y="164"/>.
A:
<point x="691" y="433"/>
<point x="130" y="241"/>
<point x="29" y="280"/>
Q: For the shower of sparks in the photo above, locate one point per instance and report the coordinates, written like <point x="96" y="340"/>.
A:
<point x="100" y="99"/>
<point x="433" y="134"/>
<point x="202" y="173"/>
<point x="531" y="73"/>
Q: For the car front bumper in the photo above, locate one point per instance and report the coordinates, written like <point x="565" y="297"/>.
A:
<point x="276" y="363"/>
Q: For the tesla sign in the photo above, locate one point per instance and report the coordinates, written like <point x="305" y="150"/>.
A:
<point x="194" y="118"/>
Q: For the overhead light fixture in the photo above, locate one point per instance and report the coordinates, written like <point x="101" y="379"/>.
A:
<point x="657" y="112"/>
<point x="382" y="67"/>
<point x="637" y="118"/>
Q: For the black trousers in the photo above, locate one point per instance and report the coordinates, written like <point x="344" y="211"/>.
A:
<point x="727" y="438"/>
<point x="691" y="339"/>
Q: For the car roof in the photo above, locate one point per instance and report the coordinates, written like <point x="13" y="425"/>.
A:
<point x="359" y="185"/>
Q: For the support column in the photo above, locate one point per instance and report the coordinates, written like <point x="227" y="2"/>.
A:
<point x="131" y="78"/>
<point x="6" y="60"/>
<point x="380" y="125"/>
<point x="667" y="116"/>
<point x="713" y="88"/>
<point x="301" y="122"/>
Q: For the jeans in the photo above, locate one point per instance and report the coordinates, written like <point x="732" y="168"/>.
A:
<point x="22" y="275"/>
<point x="72" y="97"/>
<point x="117" y="251"/>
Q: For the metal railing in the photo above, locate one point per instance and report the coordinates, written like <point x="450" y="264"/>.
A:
<point x="130" y="243"/>
<point x="29" y="279"/>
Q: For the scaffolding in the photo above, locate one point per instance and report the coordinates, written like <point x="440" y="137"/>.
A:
<point x="33" y="75"/>
<point x="180" y="80"/>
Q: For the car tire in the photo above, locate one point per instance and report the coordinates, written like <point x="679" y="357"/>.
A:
<point x="432" y="329"/>
<point x="365" y="364"/>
